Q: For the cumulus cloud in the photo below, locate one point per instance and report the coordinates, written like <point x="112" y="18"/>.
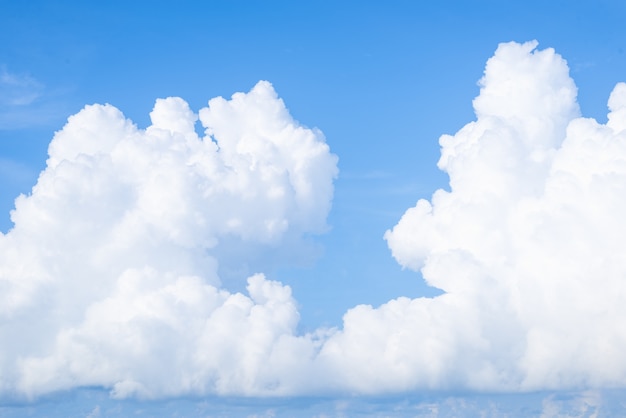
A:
<point x="110" y="276"/>
<point x="110" y="273"/>
<point x="528" y="241"/>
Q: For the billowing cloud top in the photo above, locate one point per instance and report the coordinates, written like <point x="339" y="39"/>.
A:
<point x="109" y="276"/>
<point x="110" y="271"/>
<point x="529" y="241"/>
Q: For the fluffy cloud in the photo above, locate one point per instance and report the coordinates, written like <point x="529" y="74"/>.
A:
<point x="110" y="276"/>
<point x="528" y="241"/>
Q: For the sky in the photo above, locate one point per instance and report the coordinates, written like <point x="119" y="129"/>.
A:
<point x="267" y="209"/>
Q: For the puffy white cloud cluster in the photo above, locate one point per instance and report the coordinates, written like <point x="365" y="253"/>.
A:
<point x="528" y="244"/>
<point x="109" y="277"/>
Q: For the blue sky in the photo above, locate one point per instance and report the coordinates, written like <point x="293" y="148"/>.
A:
<point x="382" y="81"/>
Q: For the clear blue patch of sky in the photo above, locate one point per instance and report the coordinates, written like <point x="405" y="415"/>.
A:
<point x="95" y="402"/>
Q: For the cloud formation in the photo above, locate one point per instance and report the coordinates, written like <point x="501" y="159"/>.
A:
<point x="110" y="275"/>
<point x="528" y="241"/>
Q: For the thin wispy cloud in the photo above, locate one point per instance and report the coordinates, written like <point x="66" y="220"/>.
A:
<point x="26" y="102"/>
<point x="18" y="89"/>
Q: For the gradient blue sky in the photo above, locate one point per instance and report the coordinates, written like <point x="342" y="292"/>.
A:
<point x="382" y="80"/>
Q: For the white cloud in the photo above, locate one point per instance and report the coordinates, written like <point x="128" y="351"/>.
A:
<point x="110" y="276"/>
<point x="528" y="242"/>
